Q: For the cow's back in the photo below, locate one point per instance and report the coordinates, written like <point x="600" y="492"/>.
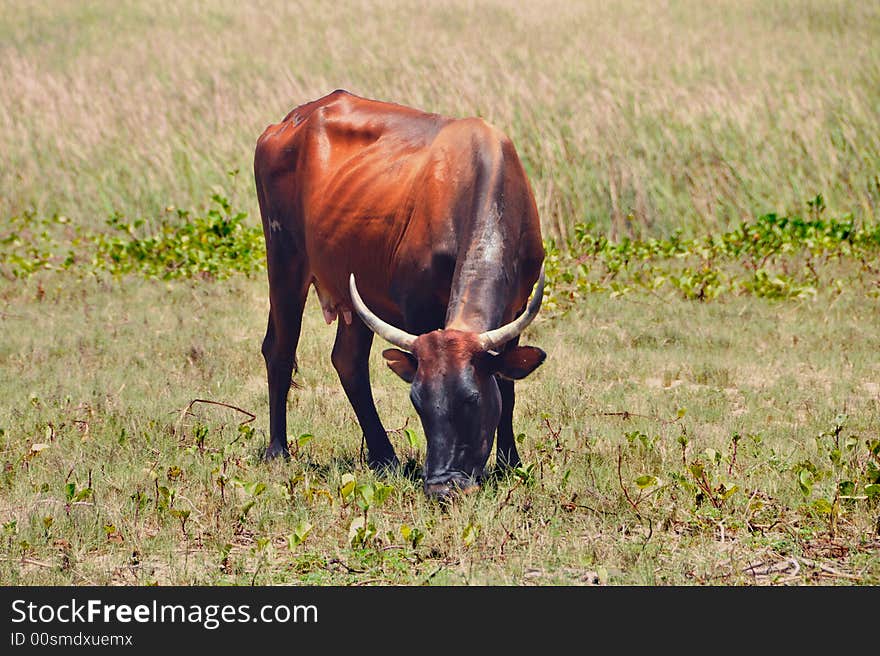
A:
<point x="349" y="184"/>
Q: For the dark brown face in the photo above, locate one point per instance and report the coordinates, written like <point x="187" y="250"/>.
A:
<point x="455" y="391"/>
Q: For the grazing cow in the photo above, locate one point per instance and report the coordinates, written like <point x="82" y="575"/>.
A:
<point x="422" y="229"/>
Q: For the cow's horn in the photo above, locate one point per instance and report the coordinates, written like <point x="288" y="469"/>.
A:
<point x="389" y="333"/>
<point x="492" y="339"/>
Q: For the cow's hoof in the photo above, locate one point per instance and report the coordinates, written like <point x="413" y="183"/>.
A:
<point x="439" y="491"/>
<point x="451" y="489"/>
<point x="275" y="450"/>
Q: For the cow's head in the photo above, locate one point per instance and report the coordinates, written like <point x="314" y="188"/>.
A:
<point x="453" y="386"/>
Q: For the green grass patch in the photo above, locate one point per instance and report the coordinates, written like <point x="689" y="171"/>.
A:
<point x="776" y="257"/>
<point x="181" y="244"/>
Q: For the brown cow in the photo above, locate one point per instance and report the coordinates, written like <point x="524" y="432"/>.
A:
<point x="432" y="221"/>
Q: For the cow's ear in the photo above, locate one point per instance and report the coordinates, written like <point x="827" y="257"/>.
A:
<point x="402" y="363"/>
<point x="518" y="362"/>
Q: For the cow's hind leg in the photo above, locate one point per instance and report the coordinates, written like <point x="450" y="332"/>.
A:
<point x="506" y="454"/>
<point x="287" y="297"/>
<point x="351" y="353"/>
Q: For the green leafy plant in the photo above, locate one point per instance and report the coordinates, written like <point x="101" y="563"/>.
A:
<point x="470" y="534"/>
<point x="181" y="244"/>
<point x="841" y="475"/>
<point x="301" y="442"/>
<point x="298" y="536"/>
<point x="772" y="256"/>
<point x="252" y="491"/>
<point x="361" y="531"/>
<point x="411" y="535"/>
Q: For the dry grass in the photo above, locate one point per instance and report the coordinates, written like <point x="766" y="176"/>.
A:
<point x="101" y="373"/>
<point x="638" y="117"/>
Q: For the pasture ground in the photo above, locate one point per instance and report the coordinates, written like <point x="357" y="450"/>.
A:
<point x="108" y="479"/>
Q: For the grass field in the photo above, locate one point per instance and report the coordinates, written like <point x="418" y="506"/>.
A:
<point x="706" y="415"/>
<point x="679" y="114"/>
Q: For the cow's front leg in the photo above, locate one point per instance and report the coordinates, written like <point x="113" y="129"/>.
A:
<point x="506" y="454"/>
<point x="351" y="353"/>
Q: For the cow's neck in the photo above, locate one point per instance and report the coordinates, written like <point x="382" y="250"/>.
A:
<point x="481" y="284"/>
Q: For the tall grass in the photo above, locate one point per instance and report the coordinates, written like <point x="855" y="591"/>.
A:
<point x="638" y="117"/>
